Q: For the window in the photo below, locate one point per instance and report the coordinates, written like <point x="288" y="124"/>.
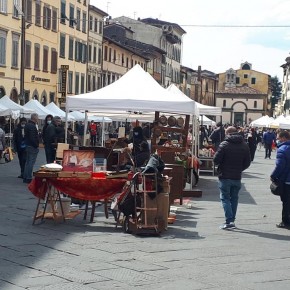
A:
<point x="95" y="55"/>
<point x="78" y="51"/>
<point x="46" y="17"/>
<point x="77" y="80"/>
<point x="15" y="50"/>
<point x="53" y="67"/>
<point x="82" y="83"/>
<point x="89" y="82"/>
<point x="3" y="6"/>
<point x="237" y="80"/>
<point x="224" y="103"/>
<point x="62" y="12"/>
<point x="78" y="19"/>
<point x="84" y="28"/>
<point x="36" y="56"/>
<point x="100" y="56"/>
<point x="245" y="76"/>
<point x="16" y="8"/>
<point x="45" y="59"/>
<point x="101" y="27"/>
<point x="72" y="21"/>
<point x="37" y="13"/>
<point x="27" y="54"/>
<point x="28" y="11"/>
<point x="84" y="53"/>
<point x="71" y="48"/>
<point x="70" y="82"/>
<point x="253" y="81"/>
<point x="54" y="19"/>
<point x="110" y="54"/>
<point x="94" y="83"/>
<point x="90" y="53"/>
<point x="255" y="104"/>
<point x="106" y="53"/>
<point x="96" y="25"/>
<point x="62" y="45"/>
<point x="91" y="23"/>
<point x="114" y="57"/>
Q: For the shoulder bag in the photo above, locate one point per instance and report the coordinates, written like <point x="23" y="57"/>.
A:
<point x="276" y="188"/>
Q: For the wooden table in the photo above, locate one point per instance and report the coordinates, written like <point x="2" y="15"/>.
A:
<point x="47" y="187"/>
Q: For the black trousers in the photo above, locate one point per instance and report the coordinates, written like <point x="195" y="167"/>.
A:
<point x="22" y="159"/>
<point x="285" y="198"/>
<point x="268" y="150"/>
<point x="93" y="140"/>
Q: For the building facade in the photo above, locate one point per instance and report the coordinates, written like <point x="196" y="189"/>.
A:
<point x="10" y="47"/>
<point x="95" y="48"/>
<point x="283" y="107"/>
<point x="243" y="94"/>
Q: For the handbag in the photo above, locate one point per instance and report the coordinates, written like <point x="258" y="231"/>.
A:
<point x="276" y="188"/>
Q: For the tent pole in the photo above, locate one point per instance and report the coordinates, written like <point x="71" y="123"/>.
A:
<point x="86" y="127"/>
<point x="66" y="125"/>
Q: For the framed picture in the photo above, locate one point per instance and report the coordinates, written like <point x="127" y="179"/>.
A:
<point x="78" y="160"/>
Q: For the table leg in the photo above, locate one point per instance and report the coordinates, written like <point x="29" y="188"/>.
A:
<point x="93" y="211"/>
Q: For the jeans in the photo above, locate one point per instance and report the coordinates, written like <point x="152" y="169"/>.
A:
<point x="285" y="198"/>
<point x="50" y="153"/>
<point x="31" y="155"/>
<point x="229" y="196"/>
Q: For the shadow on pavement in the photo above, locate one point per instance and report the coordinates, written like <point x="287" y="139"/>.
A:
<point x="264" y="235"/>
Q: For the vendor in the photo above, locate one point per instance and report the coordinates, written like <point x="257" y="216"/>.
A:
<point x="140" y="150"/>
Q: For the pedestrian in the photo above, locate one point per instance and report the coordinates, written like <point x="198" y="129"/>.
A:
<point x="54" y="134"/>
<point x="232" y="158"/>
<point x="81" y="132"/>
<point x="281" y="175"/>
<point x="93" y="133"/>
<point x="218" y="135"/>
<point x="252" y="142"/>
<point x="19" y="144"/>
<point x="268" y="138"/>
<point x="47" y="122"/>
<point x="31" y="139"/>
<point x="2" y="140"/>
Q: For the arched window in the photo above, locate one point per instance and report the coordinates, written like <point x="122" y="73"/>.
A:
<point x="14" y="95"/>
<point x="2" y="92"/>
<point x="224" y="103"/>
<point x="255" y="104"/>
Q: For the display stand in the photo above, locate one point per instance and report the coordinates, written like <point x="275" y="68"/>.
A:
<point x="52" y="199"/>
<point x="208" y="165"/>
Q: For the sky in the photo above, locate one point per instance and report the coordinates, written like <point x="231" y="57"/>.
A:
<point x="214" y="48"/>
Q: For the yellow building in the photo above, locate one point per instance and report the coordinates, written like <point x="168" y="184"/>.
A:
<point x="41" y="50"/>
<point x="10" y="36"/>
<point x="72" y="42"/>
<point x="95" y="48"/>
<point x="243" y="94"/>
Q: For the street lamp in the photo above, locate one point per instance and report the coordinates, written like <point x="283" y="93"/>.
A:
<point x="22" y="64"/>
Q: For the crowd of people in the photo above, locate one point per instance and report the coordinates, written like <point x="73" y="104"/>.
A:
<point x="234" y="149"/>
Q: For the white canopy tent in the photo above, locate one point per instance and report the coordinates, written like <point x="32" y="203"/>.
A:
<point x="285" y="124"/>
<point x="8" y="103"/>
<point x="204" y="120"/>
<point x="38" y="108"/>
<point x="135" y="91"/>
<point x="4" y="111"/>
<point x="56" y="111"/>
<point x="79" y="116"/>
<point x="275" y="123"/>
<point x="264" y="121"/>
<point x="201" y="109"/>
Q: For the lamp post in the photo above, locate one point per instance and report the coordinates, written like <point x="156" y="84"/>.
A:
<point x="22" y="64"/>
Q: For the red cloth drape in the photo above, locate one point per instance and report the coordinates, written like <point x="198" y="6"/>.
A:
<point x="81" y="188"/>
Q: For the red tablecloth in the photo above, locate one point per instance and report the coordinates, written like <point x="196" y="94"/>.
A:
<point x="81" y="188"/>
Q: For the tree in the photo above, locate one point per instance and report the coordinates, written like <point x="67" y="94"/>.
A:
<point x="276" y="87"/>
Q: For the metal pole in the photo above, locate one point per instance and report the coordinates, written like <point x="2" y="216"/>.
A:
<point x="22" y="63"/>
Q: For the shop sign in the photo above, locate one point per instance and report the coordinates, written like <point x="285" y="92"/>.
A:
<point x="37" y="79"/>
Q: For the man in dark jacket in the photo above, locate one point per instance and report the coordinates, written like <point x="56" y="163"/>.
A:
<point x="54" y="134"/>
<point x="232" y="158"/>
<point x="19" y="144"/>
<point x="269" y="137"/>
<point x="281" y="174"/>
<point x="218" y="135"/>
<point x="31" y="139"/>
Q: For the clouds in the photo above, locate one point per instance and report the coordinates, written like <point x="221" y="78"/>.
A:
<point x="219" y="48"/>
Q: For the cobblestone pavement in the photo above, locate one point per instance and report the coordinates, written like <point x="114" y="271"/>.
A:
<point x="192" y="254"/>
